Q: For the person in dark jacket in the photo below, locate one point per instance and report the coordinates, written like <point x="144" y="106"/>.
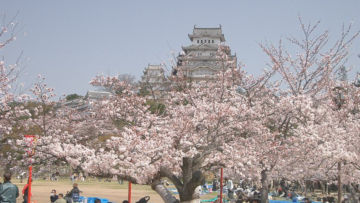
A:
<point x="75" y="193"/>
<point x="8" y="191"/>
<point x="53" y="196"/>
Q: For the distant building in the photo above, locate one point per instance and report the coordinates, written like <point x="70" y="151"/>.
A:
<point x="79" y="104"/>
<point x="154" y="80"/>
<point x="97" y="95"/>
<point x="84" y="103"/>
<point x="357" y="80"/>
<point x="200" y="60"/>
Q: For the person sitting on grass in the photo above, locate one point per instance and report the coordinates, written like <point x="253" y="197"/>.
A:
<point x="60" y="199"/>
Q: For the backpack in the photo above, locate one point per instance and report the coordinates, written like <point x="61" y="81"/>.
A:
<point x="144" y="199"/>
<point x="76" y="197"/>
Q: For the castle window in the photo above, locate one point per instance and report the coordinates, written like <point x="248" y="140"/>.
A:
<point x="209" y="41"/>
<point x="198" y="41"/>
<point x="212" y="41"/>
<point x="201" y="41"/>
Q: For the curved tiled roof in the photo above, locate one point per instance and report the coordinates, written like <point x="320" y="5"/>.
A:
<point x="207" y="32"/>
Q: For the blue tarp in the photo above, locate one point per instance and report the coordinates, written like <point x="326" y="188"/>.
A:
<point x="287" y="201"/>
<point x="92" y="200"/>
<point x="213" y="200"/>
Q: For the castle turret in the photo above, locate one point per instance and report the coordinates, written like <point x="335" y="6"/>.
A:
<point x="199" y="60"/>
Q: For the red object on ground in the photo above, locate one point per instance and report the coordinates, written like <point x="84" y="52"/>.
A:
<point x="221" y="184"/>
<point x="129" y="194"/>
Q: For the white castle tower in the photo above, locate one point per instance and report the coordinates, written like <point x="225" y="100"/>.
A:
<point x="199" y="61"/>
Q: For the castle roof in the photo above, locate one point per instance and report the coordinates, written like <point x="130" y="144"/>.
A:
<point x="154" y="67"/>
<point x="207" y="32"/>
<point x="201" y="47"/>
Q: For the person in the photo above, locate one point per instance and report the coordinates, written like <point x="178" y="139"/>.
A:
<point x="307" y="200"/>
<point x="230" y="187"/>
<point x="8" y="191"/>
<point x="144" y="199"/>
<point x="75" y="193"/>
<point x="229" y="184"/>
<point x="346" y="199"/>
<point x="25" y="192"/>
<point x="54" y="196"/>
<point x="97" y="201"/>
<point x="22" y="176"/>
<point x="218" y="199"/>
<point x="215" y="184"/>
<point x="60" y="199"/>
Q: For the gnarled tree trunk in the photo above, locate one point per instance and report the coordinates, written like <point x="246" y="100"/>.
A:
<point x="164" y="193"/>
<point x="191" y="178"/>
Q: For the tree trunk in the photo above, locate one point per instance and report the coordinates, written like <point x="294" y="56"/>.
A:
<point x="191" y="178"/>
<point x="264" y="187"/>
<point x="164" y="193"/>
<point x="339" y="183"/>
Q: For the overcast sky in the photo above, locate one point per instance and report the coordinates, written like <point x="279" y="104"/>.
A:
<point x="70" y="42"/>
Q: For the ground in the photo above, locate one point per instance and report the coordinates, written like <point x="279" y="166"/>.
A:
<point x="113" y="191"/>
<point x="110" y="190"/>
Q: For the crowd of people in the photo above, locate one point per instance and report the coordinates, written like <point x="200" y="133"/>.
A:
<point x="71" y="197"/>
<point x="9" y="192"/>
<point x="238" y="193"/>
<point x="235" y="192"/>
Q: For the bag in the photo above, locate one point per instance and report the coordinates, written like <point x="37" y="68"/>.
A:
<point x="144" y="199"/>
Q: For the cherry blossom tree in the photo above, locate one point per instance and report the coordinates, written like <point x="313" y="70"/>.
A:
<point x="204" y="126"/>
<point x="254" y="126"/>
<point x="311" y="73"/>
<point x="12" y="112"/>
<point x="337" y="136"/>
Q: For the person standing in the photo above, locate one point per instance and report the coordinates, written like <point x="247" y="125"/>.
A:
<point x="25" y="192"/>
<point x="8" y="191"/>
<point x="53" y="196"/>
<point x="215" y="184"/>
<point x="75" y="193"/>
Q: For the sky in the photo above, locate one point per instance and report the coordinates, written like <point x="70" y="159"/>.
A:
<point x="69" y="42"/>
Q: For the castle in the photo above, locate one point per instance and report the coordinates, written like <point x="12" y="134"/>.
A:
<point x="198" y="61"/>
